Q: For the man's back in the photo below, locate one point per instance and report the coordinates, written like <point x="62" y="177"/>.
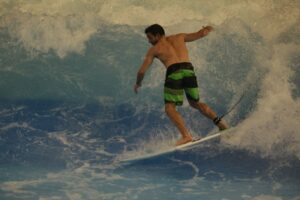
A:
<point x="178" y="43"/>
<point x="171" y="49"/>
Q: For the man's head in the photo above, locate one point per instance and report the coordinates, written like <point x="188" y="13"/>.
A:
<point x="154" y="33"/>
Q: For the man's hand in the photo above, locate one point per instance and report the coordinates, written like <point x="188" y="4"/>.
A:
<point x="136" y="87"/>
<point x="206" y="30"/>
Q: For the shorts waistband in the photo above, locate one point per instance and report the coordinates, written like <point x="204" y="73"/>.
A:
<point x="177" y="66"/>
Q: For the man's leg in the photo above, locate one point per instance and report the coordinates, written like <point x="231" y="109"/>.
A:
<point x="208" y="112"/>
<point x="176" y="118"/>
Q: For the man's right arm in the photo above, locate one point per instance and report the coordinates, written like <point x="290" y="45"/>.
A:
<point x="140" y="75"/>
<point x="190" y="37"/>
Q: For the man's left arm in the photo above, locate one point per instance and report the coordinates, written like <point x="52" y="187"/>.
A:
<point x="141" y="73"/>
<point x="190" y="37"/>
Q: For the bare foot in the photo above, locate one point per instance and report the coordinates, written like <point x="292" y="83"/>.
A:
<point x="184" y="140"/>
<point x="222" y="125"/>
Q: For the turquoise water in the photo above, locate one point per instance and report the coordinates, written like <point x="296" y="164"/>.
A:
<point x="68" y="112"/>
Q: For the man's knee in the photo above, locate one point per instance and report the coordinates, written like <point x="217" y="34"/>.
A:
<point x="194" y="104"/>
<point x="202" y="107"/>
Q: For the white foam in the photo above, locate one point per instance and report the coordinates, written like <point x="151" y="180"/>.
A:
<point x="23" y="125"/>
<point x="65" y="26"/>
<point x="266" y="197"/>
<point x="275" y="121"/>
<point x="159" y="142"/>
<point x="17" y="187"/>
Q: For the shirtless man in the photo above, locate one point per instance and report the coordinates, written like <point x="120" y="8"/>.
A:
<point x="180" y="77"/>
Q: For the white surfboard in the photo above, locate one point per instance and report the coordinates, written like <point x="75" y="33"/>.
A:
<point x="183" y="147"/>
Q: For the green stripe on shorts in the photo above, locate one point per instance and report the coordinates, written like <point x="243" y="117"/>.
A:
<point x="174" y="96"/>
<point x="181" y="73"/>
<point x="173" y="91"/>
<point x="192" y="93"/>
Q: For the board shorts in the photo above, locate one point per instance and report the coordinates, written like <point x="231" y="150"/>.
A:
<point x="180" y="78"/>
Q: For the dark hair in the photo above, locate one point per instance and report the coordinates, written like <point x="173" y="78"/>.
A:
<point x="155" y="29"/>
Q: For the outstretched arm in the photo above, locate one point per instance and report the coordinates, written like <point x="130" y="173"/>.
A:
<point x="189" y="37"/>
<point x="146" y="64"/>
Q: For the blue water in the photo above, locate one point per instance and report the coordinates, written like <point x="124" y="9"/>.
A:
<point x="68" y="112"/>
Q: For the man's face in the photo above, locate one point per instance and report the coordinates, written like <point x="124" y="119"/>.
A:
<point x="152" y="38"/>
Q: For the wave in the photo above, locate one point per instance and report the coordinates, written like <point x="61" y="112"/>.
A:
<point x="61" y="57"/>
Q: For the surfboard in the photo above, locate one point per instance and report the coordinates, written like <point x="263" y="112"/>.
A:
<point x="184" y="147"/>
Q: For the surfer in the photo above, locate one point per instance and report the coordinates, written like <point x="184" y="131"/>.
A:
<point x="180" y="77"/>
